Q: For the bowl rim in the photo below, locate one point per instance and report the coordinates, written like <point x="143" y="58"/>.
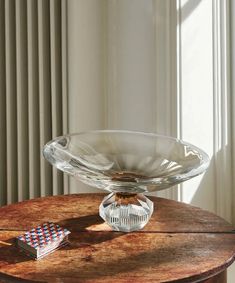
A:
<point x="205" y="156"/>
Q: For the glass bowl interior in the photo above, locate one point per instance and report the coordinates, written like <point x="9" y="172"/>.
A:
<point x="125" y="161"/>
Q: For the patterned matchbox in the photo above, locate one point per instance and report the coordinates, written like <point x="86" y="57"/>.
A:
<point x="43" y="239"/>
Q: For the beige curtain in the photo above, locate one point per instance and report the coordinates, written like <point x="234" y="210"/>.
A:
<point x="33" y="96"/>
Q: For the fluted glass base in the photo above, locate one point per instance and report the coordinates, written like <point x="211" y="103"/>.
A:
<point x="126" y="212"/>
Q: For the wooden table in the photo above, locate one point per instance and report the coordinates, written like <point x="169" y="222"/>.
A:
<point x="181" y="243"/>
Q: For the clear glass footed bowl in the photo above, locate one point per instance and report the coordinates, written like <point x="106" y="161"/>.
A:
<point x="127" y="164"/>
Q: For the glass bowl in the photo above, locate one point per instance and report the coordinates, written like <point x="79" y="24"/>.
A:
<point x="127" y="164"/>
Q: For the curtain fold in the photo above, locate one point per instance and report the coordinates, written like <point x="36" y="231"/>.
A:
<point x="11" y="102"/>
<point x="33" y="96"/>
<point x="56" y="86"/>
<point x="22" y="99"/>
<point x="3" y="178"/>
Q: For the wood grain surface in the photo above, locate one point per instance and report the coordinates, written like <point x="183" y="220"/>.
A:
<point x="181" y="243"/>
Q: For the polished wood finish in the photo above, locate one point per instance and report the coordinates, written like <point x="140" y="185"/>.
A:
<point x="219" y="278"/>
<point x="181" y="243"/>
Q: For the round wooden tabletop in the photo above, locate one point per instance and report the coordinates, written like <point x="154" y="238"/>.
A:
<point x="181" y="243"/>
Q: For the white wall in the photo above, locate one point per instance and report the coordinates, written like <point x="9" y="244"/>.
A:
<point x="130" y="70"/>
<point x="196" y="93"/>
<point x="204" y="97"/>
<point x="85" y="69"/>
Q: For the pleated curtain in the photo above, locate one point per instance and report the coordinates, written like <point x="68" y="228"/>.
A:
<point x="33" y="96"/>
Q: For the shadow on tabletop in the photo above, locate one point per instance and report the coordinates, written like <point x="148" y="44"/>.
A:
<point x="4" y="278"/>
<point x="88" y="230"/>
<point x="83" y="223"/>
<point x="11" y="254"/>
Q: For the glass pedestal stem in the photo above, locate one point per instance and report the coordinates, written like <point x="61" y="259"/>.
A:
<point x="126" y="212"/>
